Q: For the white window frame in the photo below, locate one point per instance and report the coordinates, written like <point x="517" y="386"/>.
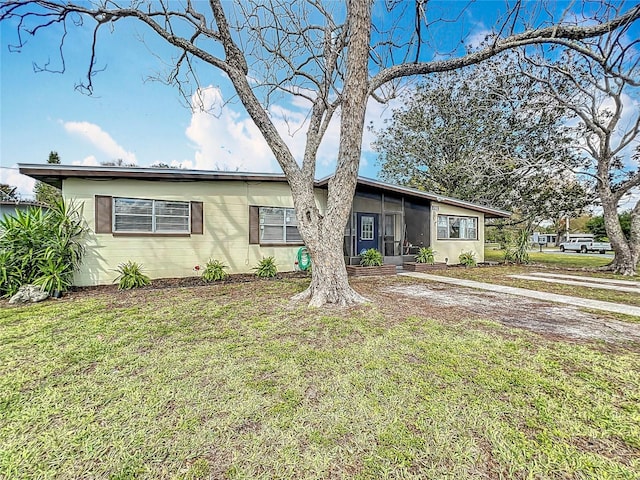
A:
<point x="370" y="227"/>
<point x="154" y="214"/>
<point x="289" y="219"/>
<point x="461" y="218"/>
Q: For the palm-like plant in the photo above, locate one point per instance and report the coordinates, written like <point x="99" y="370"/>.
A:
<point x="39" y="243"/>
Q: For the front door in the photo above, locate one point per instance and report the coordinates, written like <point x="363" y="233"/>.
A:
<point x="367" y="231"/>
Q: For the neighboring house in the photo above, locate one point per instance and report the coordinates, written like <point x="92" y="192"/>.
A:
<point x="9" y="207"/>
<point x="172" y="220"/>
<point x="538" y="238"/>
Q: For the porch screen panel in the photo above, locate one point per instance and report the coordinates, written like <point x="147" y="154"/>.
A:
<point x="367" y="202"/>
<point x="416" y="220"/>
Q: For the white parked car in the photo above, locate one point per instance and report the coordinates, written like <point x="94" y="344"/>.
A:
<point x="584" y="245"/>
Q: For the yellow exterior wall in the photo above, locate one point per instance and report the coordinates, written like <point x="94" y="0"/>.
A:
<point x="226" y="228"/>
<point x="451" y="249"/>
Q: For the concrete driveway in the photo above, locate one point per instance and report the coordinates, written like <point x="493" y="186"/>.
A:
<point x="542" y="312"/>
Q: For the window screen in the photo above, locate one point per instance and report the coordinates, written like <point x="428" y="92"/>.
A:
<point x="140" y="215"/>
<point x="453" y="227"/>
<point x="279" y="225"/>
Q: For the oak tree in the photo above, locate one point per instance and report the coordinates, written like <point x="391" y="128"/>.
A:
<point x="485" y="135"/>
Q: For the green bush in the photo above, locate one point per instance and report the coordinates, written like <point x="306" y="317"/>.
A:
<point x="131" y="276"/>
<point x="371" y="258"/>
<point x="214" y="271"/>
<point x="426" y="255"/>
<point x="266" y="268"/>
<point x="54" y="275"/>
<point x="41" y="245"/>
<point x="10" y="274"/>
<point x="468" y="259"/>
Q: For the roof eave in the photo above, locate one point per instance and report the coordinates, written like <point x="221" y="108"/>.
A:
<point x="53" y="174"/>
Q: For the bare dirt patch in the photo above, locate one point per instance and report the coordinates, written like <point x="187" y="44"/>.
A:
<point x="543" y="317"/>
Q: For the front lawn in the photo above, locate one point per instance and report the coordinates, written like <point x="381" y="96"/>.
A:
<point x="232" y="381"/>
<point x="561" y="260"/>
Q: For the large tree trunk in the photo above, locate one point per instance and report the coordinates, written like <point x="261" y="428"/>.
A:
<point x="329" y="282"/>
<point x="324" y="235"/>
<point x="626" y="252"/>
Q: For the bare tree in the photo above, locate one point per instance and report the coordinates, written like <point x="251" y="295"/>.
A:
<point x="603" y="94"/>
<point x="334" y="54"/>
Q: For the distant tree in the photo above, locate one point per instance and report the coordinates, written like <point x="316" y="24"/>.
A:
<point x="54" y="158"/>
<point x="8" y="192"/>
<point x="596" y="225"/>
<point x="45" y="193"/>
<point x="165" y="165"/>
<point x="118" y="163"/>
<point x="580" y="223"/>
<point x="484" y="135"/>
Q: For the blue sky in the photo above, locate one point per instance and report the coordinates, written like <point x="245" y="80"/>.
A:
<point x="146" y="122"/>
<point x="139" y="120"/>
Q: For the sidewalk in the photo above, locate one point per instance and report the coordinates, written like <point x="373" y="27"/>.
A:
<point x="522" y="292"/>
<point x="586" y="282"/>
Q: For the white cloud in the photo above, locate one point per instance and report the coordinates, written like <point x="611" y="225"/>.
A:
<point x="478" y="37"/>
<point x="228" y="139"/>
<point x="100" y="139"/>
<point x="225" y="140"/>
<point x="188" y="164"/>
<point x="12" y="177"/>
<point x="91" y="160"/>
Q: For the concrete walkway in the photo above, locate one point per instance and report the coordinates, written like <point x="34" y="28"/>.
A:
<point x="609" y="281"/>
<point x="575" y="283"/>
<point x="523" y="292"/>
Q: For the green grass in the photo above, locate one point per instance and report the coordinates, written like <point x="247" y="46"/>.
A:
<point x="540" y="261"/>
<point x="553" y="259"/>
<point x="233" y="382"/>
